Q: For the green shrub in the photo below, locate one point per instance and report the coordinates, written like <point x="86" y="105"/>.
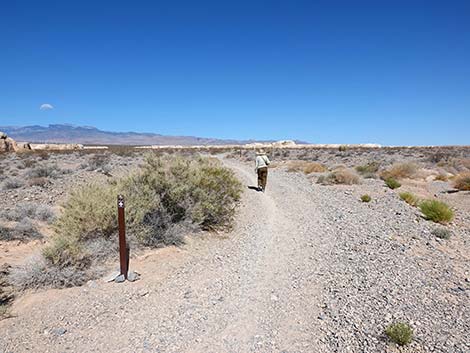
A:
<point x="441" y="233"/>
<point x="392" y="183"/>
<point x="409" y="198"/>
<point x="400" y="333"/>
<point x="368" y="169"/>
<point x="366" y="198"/>
<point x="167" y="195"/>
<point x="436" y="211"/>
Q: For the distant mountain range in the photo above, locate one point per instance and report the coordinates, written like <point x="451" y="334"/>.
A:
<point x="65" y="133"/>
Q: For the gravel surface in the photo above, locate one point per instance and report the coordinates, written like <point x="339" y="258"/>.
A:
<point x="307" y="268"/>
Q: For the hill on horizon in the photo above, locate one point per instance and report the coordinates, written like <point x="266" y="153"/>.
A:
<point x="66" y="133"/>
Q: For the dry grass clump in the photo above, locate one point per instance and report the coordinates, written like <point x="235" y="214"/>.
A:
<point x="409" y="198"/>
<point x="166" y="197"/>
<point x="462" y="181"/>
<point x="305" y="167"/>
<point x="401" y="333"/>
<point x="340" y="176"/>
<point x="366" y="198"/>
<point x="436" y="211"/>
<point x="400" y="171"/>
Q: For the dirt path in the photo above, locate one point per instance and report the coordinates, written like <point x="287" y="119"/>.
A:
<point x="252" y="291"/>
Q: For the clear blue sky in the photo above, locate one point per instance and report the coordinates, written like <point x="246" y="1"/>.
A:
<point x="390" y="72"/>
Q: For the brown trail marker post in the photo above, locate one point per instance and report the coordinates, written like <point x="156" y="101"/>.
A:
<point x="123" y="254"/>
<point x="124" y="273"/>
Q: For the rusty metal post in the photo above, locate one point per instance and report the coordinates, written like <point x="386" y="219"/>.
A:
<point x="123" y="250"/>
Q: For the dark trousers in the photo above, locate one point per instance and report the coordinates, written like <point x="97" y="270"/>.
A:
<point x="262" y="177"/>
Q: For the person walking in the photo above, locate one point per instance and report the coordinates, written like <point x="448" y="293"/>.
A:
<point x="262" y="162"/>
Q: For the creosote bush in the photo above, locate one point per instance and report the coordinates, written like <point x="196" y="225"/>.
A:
<point x="436" y="211"/>
<point x="401" y="333"/>
<point x="366" y="198"/>
<point x="392" y="183"/>
<point x="409" y="198"/>
<point x="462" y="182"/>
<point x="167" y="196"/>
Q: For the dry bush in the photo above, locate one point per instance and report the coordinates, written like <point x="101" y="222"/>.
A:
<point x="30" y="210"/>
<point x="340" y="176"/>
<point x="12" y="183"/>
<point x="441" y="177"/>
<point x="46" y="171"/>
<point x="41" y="182"/>
<point x="462" y="181"/>
<point x="400" y="171"/>
<point x="305" y="167"/>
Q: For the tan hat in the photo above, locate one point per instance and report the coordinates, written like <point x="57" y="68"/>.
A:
<point x="260" y="152"/>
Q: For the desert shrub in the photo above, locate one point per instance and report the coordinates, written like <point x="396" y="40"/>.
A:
<point x="392" y="183"/>
<point x="98" y="161"/>
<point x="400" y="333"/>
<point x="400" y="171"/>
<point x="12" y="183"/>
<point x="441" y="177"/>
<point x="343" y="148"/>
<point x="41" y="182"/>
<point x="368" y="169"/>
<point x="29" y="210"/>
<point x="366" y="198"/>
<point x="168" y="195"/>
<point x="23" y="231"/>
<point x="340" y="176"/>
<point x="436" y="211"/>
<point x="462" y="181"/>
<point x="36" y="272"/>
<point x="46" y="171"/>
<point x="409" y="198"/>
<point x="441" y="233"/>
<point x="305" y="167"/>
<point x="29" y="163"/>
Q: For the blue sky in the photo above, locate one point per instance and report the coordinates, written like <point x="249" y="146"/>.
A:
<point x="390" y="72"/>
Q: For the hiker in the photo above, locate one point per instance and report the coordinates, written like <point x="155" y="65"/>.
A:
<point x="262" y="162"/>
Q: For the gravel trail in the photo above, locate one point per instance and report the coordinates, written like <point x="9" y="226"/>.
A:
<point x="307" y="268"/>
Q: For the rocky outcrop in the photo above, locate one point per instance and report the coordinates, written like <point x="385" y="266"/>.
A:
<point x="7" y="144"/>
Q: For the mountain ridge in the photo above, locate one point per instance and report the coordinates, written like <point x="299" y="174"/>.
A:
<point x="90" y="135"/>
